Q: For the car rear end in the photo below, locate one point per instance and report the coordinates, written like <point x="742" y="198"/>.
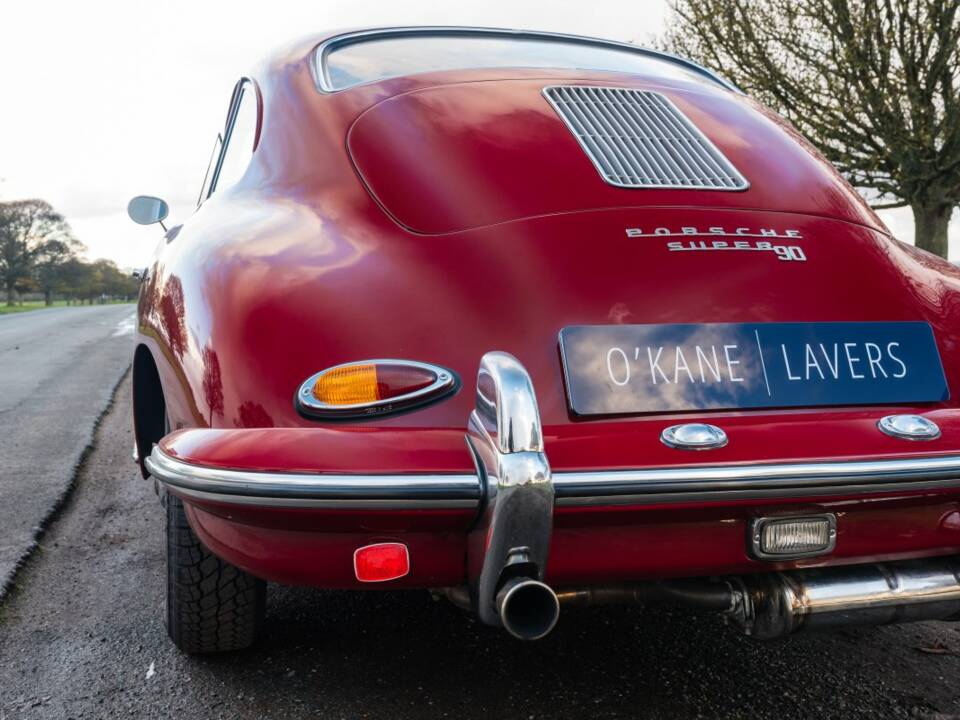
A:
<point x="685" y="362"/>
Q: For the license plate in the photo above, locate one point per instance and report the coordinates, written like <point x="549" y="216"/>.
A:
<point x="618" y="369"/>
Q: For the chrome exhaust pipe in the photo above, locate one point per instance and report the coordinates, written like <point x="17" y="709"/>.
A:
<point x="772" y="605"/>
<point x="707" y="595"/>
<point x="528" y="609"/>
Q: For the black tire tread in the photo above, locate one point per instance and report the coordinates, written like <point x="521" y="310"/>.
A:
<point x="212" y="606"/>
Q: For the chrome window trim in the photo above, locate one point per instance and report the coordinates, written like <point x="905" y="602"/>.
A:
<point x="610" y="487"/>
<point x="324" y="85"/>
<point x="243" y="85"/>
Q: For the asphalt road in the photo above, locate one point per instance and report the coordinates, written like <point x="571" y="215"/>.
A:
<point x="58" y="368"/>
<point x="81" y="636"/>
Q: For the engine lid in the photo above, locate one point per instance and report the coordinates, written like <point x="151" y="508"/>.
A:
<point x="456" y="157"/>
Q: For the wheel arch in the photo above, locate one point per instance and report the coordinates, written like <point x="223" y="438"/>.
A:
<point x="149" y="406"/>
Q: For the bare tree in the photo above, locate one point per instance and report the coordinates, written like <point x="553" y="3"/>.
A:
<point x="875" y="84"/>
<point x="28" y="230"/>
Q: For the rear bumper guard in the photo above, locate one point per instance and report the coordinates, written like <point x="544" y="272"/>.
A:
<point x="511" y="540"/>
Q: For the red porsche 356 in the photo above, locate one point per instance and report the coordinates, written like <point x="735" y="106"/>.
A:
<point x="537" y="319"/>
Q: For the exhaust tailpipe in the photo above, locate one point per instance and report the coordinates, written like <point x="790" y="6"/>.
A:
<point x="528" y="608"/>
<point x="775" y="604"/>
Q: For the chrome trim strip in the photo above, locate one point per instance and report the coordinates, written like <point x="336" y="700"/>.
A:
<point x="314" y="490"/>
<point x="643" y="486"/>
<point x="323" y="49"/>
<point x="695" y="484"/>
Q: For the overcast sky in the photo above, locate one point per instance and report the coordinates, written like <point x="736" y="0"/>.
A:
<point x="105" y="100"/>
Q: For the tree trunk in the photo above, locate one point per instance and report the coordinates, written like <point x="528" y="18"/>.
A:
<point x="9" y="295"/>
<point x="930" y="226"/>
<point x="47" y="297"/>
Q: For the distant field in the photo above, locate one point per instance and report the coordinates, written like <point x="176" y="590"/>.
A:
<point x="29" y="305"/>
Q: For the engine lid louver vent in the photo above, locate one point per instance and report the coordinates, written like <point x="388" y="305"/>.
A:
<point x="640" y="139"/>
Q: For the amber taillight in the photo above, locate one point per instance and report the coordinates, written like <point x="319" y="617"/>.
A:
<point x="372" y="387"/>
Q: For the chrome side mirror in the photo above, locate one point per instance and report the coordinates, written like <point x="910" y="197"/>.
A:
<point x="147" y="210"/>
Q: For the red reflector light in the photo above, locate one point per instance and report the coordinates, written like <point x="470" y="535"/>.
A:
<point x="381" y="562"/>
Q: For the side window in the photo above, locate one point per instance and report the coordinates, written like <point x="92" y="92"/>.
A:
<point x="237" y="145"/>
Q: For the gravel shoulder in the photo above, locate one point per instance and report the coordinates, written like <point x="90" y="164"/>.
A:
<point x="81" y="636"/>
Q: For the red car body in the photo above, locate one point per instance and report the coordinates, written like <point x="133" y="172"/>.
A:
<point x="439" y="216"/>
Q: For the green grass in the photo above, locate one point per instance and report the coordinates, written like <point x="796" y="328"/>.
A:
<point x="29" y="305"/>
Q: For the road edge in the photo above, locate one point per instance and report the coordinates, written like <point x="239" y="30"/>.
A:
<point x="8" y="581"/>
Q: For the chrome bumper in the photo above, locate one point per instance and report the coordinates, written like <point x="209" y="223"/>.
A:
<point x="505" y="439"/>
<point x="274" y="489"/>
<point x="747" y="482"/>
<point x="644" y="486"/>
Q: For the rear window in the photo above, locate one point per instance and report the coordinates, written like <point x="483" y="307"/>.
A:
<point x="353" y="61"/>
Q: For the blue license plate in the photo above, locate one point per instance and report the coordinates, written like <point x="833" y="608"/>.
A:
<point x="618" y="369"/>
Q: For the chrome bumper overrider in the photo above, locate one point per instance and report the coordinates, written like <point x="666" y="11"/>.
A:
<point x="511" y="540"/>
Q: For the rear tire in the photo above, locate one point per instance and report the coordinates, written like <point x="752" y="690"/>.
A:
<point x="212" y="606"/>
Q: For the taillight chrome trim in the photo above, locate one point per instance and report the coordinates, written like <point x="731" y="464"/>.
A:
<point x="445" y="383"/>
